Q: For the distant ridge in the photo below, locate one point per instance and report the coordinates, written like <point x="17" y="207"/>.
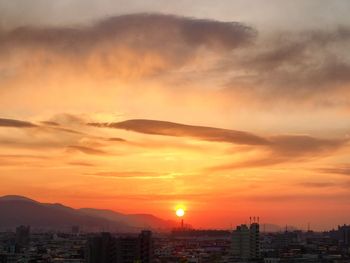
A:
<point x="16" y="198"/>
<point x="140" y="220"/>
<point x="19" y="210"/>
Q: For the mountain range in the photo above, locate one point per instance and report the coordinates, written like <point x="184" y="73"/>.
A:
<point x="19" y="210"/>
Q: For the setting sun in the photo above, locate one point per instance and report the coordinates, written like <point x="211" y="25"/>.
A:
<point x="180" y="212"/>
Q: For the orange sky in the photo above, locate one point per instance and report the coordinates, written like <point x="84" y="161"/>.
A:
<point x="141" y="113"/>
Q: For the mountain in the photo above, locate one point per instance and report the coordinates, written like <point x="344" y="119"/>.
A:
<point x="16" y="198"/>
<point x="19" y="210"/>
<point x="136" y="220"/>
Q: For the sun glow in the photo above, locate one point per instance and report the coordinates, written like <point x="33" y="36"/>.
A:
<point x="180" y="212"/>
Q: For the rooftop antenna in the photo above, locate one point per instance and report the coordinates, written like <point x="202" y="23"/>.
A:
<point x="250" y="220"/>
<point x="258" y="220"/>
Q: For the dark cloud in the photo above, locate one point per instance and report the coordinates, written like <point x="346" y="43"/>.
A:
<point x="300" y="145"/>
<point x="16" y="123"/>
<point x="116" y="139"/>
<point x="278" y="149"/>
<point x="139" y="44"/>
<point x="50" y="123"/>
<point x="295" y="66"/>
<point x="181" y="130"/>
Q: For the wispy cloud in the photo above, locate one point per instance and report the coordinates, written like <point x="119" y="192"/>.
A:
<point x="86" y="150"/>
<point x="278" y="149"/>
<point x="16" y="123"/>
<point x="132" y="175"/>
<point x="341" y="169"/>
<point x="149" y="42"/>
<point x="181" y="130"/>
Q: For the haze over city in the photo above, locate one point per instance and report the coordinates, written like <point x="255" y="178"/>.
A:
<point x="223" y="109"/>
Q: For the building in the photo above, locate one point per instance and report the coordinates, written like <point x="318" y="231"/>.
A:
<point x="101" y="249"/>
<point x="146" y="246"/>
<point x="254" y="244"/>
<point x="344" y="235"/>
<point x="75" y="230"/>
<point x="22" y="235"/>
<point x="125" y="249"/>
<point x="246" y="242"/>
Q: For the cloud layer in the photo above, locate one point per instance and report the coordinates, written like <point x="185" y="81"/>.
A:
<point x="123" y="46"/>
<point x="81" y="108"/>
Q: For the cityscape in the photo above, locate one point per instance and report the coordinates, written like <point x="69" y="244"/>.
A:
<point x="97" y="242"/>
<point x="162" y="131"/>
<point x="244" y="244"/>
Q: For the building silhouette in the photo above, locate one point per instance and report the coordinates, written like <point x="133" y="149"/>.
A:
<point x="146" y="247"/>
<point x="101" y="249"/>
<point x="22" y="235"/>
<point x="344" y="232"/>
<point x="126" y="249"/>
<point x="246" y="241"/>
<point x="75" y="230"/>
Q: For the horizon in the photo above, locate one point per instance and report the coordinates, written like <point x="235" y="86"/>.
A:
<point x="272" y="228"/>
<point x="221" y="109"/>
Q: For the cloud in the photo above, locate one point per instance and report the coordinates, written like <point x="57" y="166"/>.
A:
<point x="179" y="51"/>
<point x="299" y="145"/>
<point x="124" y="46"/>
<point x="132" y="175"/>
<point x="84" y="164"/>
<point x="115" y="139"/>
<point x="318" y="184"/>
<point x="274" y="149"/>
<point x="324" y="197"/>
<point x="86" y="150"/>
<point x="16" y="123"/>
<point x="288" y="149"/>
<point x="342" y="170"/>
<point x="294" y="66"/>
<point x="23" y="156"/>
<point x="50" y="123"/>
<point x="155" y="127"/>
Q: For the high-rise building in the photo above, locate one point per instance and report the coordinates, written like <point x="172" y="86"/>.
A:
<point x="246" y="241"/>
<point x="241" y="242"/>
<point x="128" y="250"/>
<point x="344" y="235"/>
<point x="146" y="247"/>
<point x="22" y="235"/>
<point x="254" y="240"/>
<point x="125" y="249"/>
<point x="101" y="249"/>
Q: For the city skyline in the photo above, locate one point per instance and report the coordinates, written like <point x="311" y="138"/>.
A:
<point x="224" y="110"/>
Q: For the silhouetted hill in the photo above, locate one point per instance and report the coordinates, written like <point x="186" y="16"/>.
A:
<point x="135" y="220"/>
<point x="16" y="198"/>
<point x="19" y="210"/>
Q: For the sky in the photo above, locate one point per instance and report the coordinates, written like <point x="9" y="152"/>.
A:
<point x="229" y="109"/>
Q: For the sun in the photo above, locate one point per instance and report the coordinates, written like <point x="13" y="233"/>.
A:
<point x="180" y="212"/>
